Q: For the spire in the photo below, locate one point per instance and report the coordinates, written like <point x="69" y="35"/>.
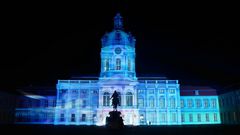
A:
<point x="118" y="24"/>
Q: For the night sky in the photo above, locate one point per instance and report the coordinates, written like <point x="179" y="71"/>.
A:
<point x="195" y="43"/>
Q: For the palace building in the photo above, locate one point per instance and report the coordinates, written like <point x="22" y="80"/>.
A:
<point x="143" y="100"/>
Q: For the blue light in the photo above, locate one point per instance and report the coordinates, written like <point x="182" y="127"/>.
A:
<point x="143" y="102"/>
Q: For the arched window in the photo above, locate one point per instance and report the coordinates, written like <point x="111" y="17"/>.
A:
<point x="106" y="66"/>
<point x="162" y="102"/>
<point x="151" y="102"/>
<point x="118" y="64"/>
<point x="106" y="99"/>
<point x="129" y="64"/>
<point x="129" y="99"/>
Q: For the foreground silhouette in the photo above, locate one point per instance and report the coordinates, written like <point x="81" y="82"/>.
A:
<point x="114" y="121"/>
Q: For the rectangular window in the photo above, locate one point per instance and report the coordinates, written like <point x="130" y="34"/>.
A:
<point x="214" y="103"/>
<point x="140" y="91"/>
<point x="118" y="64"/>
<point x="61" y="117"/>
<point x="129" y="65"/>
<point x="84" y="104"/>
<point x="172" y="102"/>
<point x="73" y="118"/>
<point x="182" y="103"/>
<point x="199" y="117"/>
<point x="215" y="117"/>
<point x="151" y="91"/>
<point x="206" y="104"/>
<point x="163" y="117"/>
<point x="190" y="104"/>
<point x="106" y="66"/>
<point x="171" y="91"/>
<point x="190" y="117"/>
<point x="73" y="103"/>
<point x="83" y="117"/>
<point x="63" y="104"/>
<point x="174" y="117"/>
<point x="182" y="117"/>
<point x="198" y="102"/>
<point x="54" y="103"/>
<point x="161" y="91"/>
<point x="207" y="117"/>
<point x="140" y="102"/>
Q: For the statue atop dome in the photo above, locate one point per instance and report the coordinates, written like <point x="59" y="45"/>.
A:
<point x="118" y="23"/>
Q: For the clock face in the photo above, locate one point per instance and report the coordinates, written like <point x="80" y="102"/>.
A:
<point x="118" y="50"/>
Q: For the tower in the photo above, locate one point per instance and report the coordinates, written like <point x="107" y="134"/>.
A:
<point x="118" y="54"/>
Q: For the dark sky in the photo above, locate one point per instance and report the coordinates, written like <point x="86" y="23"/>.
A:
<point x="195" y="43"/>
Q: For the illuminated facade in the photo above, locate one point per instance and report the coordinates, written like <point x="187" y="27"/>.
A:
<point x="144" y="101"/>
<point x="230" y="106"/>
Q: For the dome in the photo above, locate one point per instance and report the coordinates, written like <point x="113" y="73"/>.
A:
<point x="118" y="36"/>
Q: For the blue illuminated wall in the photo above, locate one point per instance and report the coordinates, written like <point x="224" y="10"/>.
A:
<point x="229" y="102"/>
<point x="152" y="101"/>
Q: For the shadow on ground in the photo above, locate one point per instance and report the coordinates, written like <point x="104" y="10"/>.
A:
<point x="129" y="130"/>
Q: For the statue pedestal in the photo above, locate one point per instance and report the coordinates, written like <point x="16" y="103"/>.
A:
<point x="114" y="121"/>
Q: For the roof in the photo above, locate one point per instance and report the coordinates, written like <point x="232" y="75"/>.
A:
<point x="197" y="91"/>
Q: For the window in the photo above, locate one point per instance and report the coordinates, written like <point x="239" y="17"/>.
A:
<point x="174" y="117"/>
<point x="182" y="103"/>
<point x="62" y="92"/>
<point x="63" y="104"/>
<point x="73" y="118"/>
<point x="190" y="117"/>
<point x="74" y="92"/>
<point x="151" y="102"/>
<point x="161" y="91"/>
<point x="140" y="91"/>
<point x="73" y="103"/>
<point x="190" y="104"/>
<point x="163" y="117"/>
<point x="141" y="118"/>
<point x="172" y="102"/>
<point x="182" y="117"/>
<point x="206" y="104"/>
<point x="199" y="117"/>
<point x="83" y="117"/>
<point x="207" y="117"/>
<point x="215" y="117"/>
<point x="61" y="117"/>
<point x="151" y="91"/>
<point x="84" y="104"/>
<point x="106" y="99"/>
<point x="106" y="66"/>
<point x="198" y="102"/>
<point x="129" y="64"/>
<point x="118" y="64"/>
<point x="94" y="117"/>
<point x="129" y="99"/>
<point x="162" y="102"/>
<point x="140" y="102"/>
<point x="171" y="91"/>
<point x="54" y="103"/>
<point x="84" y="93"/>
<point x="214" y="103"/>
